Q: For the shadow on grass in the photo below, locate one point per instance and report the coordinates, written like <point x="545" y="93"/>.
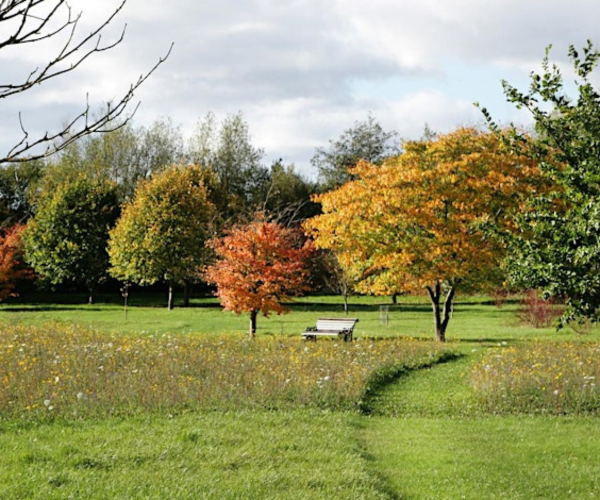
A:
<point x="383" y="378"/>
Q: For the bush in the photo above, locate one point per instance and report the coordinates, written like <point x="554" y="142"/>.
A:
<point x="538" y="312"/>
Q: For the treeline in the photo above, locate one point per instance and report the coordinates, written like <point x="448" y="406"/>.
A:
<point x="65" y="207"/>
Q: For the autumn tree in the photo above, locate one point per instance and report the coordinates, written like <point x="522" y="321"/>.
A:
<point x="65" y="242"/>
<point x="162" y="231"/>
<point x="365" y="140"/>
<point x="557" y="248"/>
<point x="12" y="263"/>
<point x="419" y="221"/>
<point x="52" y="29"/>
<point x="259" y="267"/>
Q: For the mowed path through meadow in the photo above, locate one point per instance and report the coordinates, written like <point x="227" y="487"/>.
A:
<point x="428" y="439"/>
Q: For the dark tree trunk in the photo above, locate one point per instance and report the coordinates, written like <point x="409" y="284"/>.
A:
<point x="440" y="318"/>
<point x="395" y="299"/>
<point x="253" y="315"/>
<point x="187" y="292"/>
<point x="170" y="298"/>
<point x="90" y="295"/>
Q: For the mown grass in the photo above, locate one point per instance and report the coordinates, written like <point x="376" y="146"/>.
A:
<point x="207" y="455"/>
<point x="429" y="433"/>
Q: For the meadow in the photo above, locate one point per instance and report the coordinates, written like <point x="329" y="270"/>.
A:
<point x="96" y="403"/>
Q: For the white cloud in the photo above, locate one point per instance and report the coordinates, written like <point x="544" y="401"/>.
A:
<point x="302" y="71"/>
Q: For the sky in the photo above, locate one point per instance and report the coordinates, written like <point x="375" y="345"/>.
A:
<point x="303" y="71"/>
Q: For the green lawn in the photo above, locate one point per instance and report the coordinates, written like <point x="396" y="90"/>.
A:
<point x="424" y="437"/>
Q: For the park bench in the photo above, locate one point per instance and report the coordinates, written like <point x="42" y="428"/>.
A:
<point x="331" y="327"/>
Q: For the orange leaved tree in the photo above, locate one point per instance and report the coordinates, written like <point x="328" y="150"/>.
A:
<point x="12" y="267"/>
<point x="426" y="219"/>
<point x="260" y="266"/>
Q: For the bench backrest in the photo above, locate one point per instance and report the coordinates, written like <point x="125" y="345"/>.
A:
<point x="336" y="324"/>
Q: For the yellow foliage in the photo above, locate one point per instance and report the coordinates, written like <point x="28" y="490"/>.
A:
<point x="420" y="218"/>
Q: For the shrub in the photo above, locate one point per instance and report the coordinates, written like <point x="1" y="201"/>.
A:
<point x="538" y="312"/>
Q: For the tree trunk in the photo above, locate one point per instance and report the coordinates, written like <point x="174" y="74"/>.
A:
<point x="440" y="318"/>
<point x="90" y="295"/>
<point x="170" y="299"/>
<point x="395" y="299"/>
<point x="187" y="292"/>
<point x="346" y="303"/>
<point x="253" y="315"/>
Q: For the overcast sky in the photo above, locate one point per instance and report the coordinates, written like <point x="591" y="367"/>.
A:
<point x="302" y="71"/>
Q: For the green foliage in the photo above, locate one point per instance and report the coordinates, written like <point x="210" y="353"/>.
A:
<point x="558" y="249"/>
<point x="227" y="149"/>
<point x="161" y="234"/>
<point x="66" y="240"/>
<point x="366" y="140"/>
<point x="18" y="182"/>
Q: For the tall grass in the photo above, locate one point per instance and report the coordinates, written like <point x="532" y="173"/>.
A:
<point x="71" y="372"/>
<point x="540" y="377"/>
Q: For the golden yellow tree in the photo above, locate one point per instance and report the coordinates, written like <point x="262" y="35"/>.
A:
<point x="426" y="219"/>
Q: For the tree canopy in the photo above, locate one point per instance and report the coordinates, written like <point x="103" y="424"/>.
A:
<point x="366" y="140"/>
<point x="162" y="231"/>
<point x="260" y="265"/>
<point x="66" y="239"/>
<point x="557" y="248"/>
<point x="419" y="220"/>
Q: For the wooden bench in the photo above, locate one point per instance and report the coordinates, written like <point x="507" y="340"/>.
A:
<point x="331" y="327"/>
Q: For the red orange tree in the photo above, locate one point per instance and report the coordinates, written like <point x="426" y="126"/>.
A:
<point x="260" y="266"/>
<point x="12" y="267"/>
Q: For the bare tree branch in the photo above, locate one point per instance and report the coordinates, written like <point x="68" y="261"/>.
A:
<point x="34" y="21"/>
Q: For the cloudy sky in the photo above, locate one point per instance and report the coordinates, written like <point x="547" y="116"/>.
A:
<point x="302" y="71"/>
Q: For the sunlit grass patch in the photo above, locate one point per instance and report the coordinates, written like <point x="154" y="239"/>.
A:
<point x="541" y="377"/>
<point x="71" y="372"/>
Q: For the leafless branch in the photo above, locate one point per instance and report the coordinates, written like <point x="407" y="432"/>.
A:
<point x="31" y="22"/>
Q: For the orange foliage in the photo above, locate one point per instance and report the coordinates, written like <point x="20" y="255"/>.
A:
<point x="418" y="219"/>
<point x="12" y="267"/>
<point x="261" y="265"/>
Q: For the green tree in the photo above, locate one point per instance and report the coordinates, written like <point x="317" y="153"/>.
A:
<point x="162" y="231"/>
<point x="66" y="239"/>
<point x="287" y="196"/>
<point x="18" y="183"/>
<point x="366" y="140"/>
<point x="227" y="149"/>
<point x="558" y="247"/>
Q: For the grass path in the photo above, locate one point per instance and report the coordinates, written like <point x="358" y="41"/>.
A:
<point x="427" y="439"/>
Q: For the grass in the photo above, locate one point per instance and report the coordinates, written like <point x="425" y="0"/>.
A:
<point x="424" y="434"/>
<point x="213" y="455"/>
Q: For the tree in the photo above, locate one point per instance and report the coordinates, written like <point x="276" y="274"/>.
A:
<point x="12" y="265"/>
<point x="227" y="149"/>
<point x="18" y="183"/>
<point x="557" y="248"/>
<point x="52" y="25"/>
<point x="418" y="221"/>
<point x="366" y="141"/>
<point x="260" y="266"/>
<point x="288" y="195"/>
<point x="162" y="231"/>
<point x="66" y="239"/>
<point x="124" y="156"/>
